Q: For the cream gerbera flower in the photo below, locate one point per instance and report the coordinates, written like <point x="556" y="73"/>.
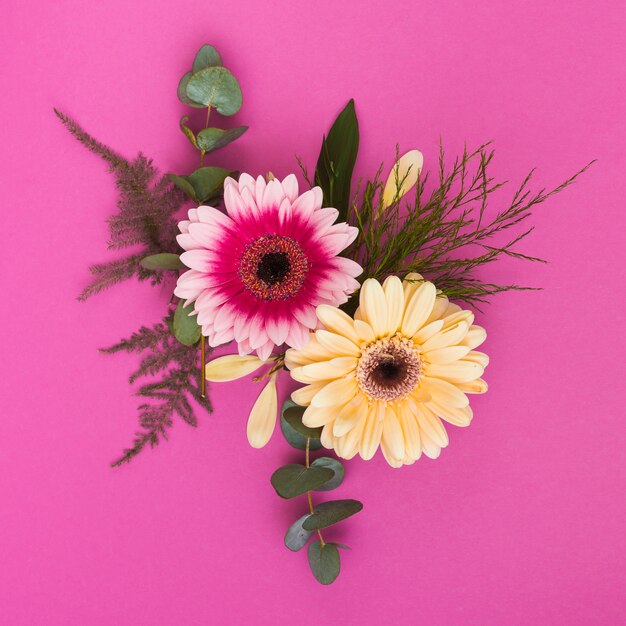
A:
<point x="390" y="375"/>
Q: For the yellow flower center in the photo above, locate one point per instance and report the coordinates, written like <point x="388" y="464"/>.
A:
<point x="389" y="369"/>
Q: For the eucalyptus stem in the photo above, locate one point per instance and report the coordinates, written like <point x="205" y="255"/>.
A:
<point x="308" y="493"/>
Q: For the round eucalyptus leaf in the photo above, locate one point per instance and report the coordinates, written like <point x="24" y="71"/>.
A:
<point x="182" y="92"/>
<point x="207" y="56"/>
<point x="215" y="87"/>
<point x="182" y="183"/>
<point x="208" y="182"/>
<point x="293" y="416"/>
<point x="329" y="513"/>
<point x="296" y="537"/>
<point x="293" y="480"/>
<point x="293" y="437"/>
<point x="186" y="328"/>
<point x="211" y="139"/>
<point x="336" y="466"/>
<point x="324" y="561"/>
<point x="163" y="261"/>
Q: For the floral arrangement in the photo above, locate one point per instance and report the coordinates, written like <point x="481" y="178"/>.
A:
<point x="356" y="292"/>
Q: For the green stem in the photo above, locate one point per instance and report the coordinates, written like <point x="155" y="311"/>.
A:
<point x="308" y="493"/>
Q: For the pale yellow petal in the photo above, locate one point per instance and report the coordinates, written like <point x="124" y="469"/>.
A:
<point x="418" y="309"/>
<point x="475" y="386"/>
<point x="411" y="284"/>
<point x="457" y="372"/>
<point x="337" y="345"/>
<point x="364" y="331"/>
<point x="348" y="417"/>
<point x="456" y="416"/>
<point x="324" y="370"/>
<point x="439" y="309"/>
<point x="410" y="430"/>
<point x="372" y="431"/>
<point x="446" y="355"/>
<point x="349" y="444"/>
<point x="477" y="357"/>
<point x="395" y="303"/>
<point x="314" y="416"/>
<point x="431" y="426"/>
<point x="231" y="367"/>
<point x="304" y="395"/>
<point x="475" y="336"/>
<point x="337" y="321"/>
<point x="392" y="436"/>
<point x="327" y="439"/>
<point x="336" y="393"/>
<point x="262" y="418"/>
<point x="403" y="176"/>
<point x="426" y="332"/>
<point x="447" y="337"/>
<point x="430" y="448"/>
<point x="313" y="352"/>
<point x="374" y="306"/>
<point x="458" y="316"/>
<point x="444" y="393"/>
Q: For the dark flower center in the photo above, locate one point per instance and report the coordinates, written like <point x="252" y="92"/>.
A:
<point x="389" y="369"/>
<point x="273" y="268"/>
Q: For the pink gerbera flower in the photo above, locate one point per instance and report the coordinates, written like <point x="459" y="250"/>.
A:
<point x="259" y="271"/>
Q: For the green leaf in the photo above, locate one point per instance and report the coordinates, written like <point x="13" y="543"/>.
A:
<point x="207" y="56"/>
<point x="182" y="92"/>
<point x="336" y="160"/>
<point x="182" y="183"/>
<point x="163" y="261"/>
<point x="324" y="561"/>
<point x="293" y="480"/>
<point x="215" y="87"/>
<point x="187" y="131"/>
<point x="329" y="513"/>
<point x="296" y="537"/>
<point x="186" y="328"/>
<point x="208" y="182"/>
<point x="336" y="466"/>
<point x="293" y="416"/>
<point x="293" y="437"/>
<point x="211" y="139"/>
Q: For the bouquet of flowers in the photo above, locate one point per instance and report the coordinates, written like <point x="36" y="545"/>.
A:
<point x="362" y="293"/>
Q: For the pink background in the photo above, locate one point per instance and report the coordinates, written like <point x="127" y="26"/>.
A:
<point x="521" y="520"/>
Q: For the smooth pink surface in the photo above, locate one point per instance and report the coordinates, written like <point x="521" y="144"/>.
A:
<point x="521" y="520"/>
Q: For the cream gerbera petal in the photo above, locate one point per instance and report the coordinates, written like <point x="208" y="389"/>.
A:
<point x="444" y="392"/>
<point x="389" y="376"/>
<point x="372" y="433"/>
<point x="410" y="431"/>
<point x="336" y="344"/>
<point x="457" y="372"/>
<point x="337" y="321"/>
<point x="447" y="355"/>
<point x="395" y="303"/>
<point x="446" y="337"/>
<point x="475" y="386"/>
<point x="336" y="392"/>
<point x="262" y="418"/>
<point x="418" y="309"/>
<point x="373" y="306"/>
<point x="349" y="415"/>
<point x="392" y="435"/>
<point x="475" y="336"/>
<point x="231" y="367"/>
